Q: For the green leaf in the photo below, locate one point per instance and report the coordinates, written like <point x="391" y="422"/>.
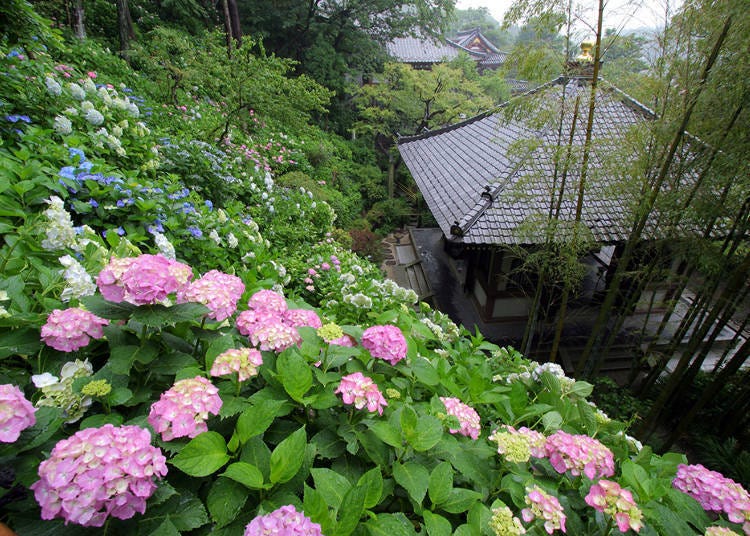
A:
<point x="436" y="525"/>
<point x="19" y="342"/>
<point x="315" y="508"/>
<point x="166" y="528"/>
<point x="372" y="483"/>
<point x="225" y="500"/>
<point x="159" y="315"/>
<point x="552" y="421"/>
<point x="551" y="382"/>
<point x="106" y="309"/>
<point x="246" y="474"/>
<point x="440" y="483"/>
<point x="425" y="372"/>
<point x="294" y="373"/>
<point x="287" y="457"/>
<point x="409" y="421"/>
<point x="413" y="477"/>
<point x="331" y="485"/>
<point x="121" y="358"/>
<point x="352" y="508"/>
<point x="390" y="525"/>
<point x="386" y="433"/>
<point x="427" y="433"/>
<point x="327" y="444"/>
<point x="48" y="421"/>
<point x="204" y="455"/>
<point x="582" y="389"/>
<point x="460" y="500"/>
<point x="256" y="419"/>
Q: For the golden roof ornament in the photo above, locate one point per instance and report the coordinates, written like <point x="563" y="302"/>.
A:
<point x="585" y="55"/>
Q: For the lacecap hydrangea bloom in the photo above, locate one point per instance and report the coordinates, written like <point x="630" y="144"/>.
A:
<point x="59" y="393"/>
<point x="16" y="413"/>
<point x="608" y="497"/>
<point x="579" y="454"/>
<point x="182" y="410"/>
<point x="70" y="329"/>
<point x="544" y="506"/>
<point x="361" y="391"/>
<point x="503" y="523"/>
<point x="518" y="445"/>
<point x="719" y="531"/>
<point x="385" y="342"/>
<point x="715" y="492"/>
<point x="243" y="361"/>
<point x="97" y="473"/>
<point x="216" y="290"/>
<point x="467" y="417"/>
<point x="286" y="521"/>
<point x="144" y="280"/>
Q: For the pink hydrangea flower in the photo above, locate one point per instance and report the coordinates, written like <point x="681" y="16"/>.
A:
<point x="143" y="280"/>
<point x="97" y="473"/>
<point x="608" y="497"/>
<point x="275" y="336"/>
<point x="268" y="300"/>
<point x="385" y="342"/>
<point x="216" y="290"/>
<point x="250" y="320"/>
<point x="344" y="340"/>
<point x="70" y="329"/>
<point x="361" y="391"/>
<point x="182" y="410"/>
<point x="284" y="521"/>
<point x="544" y="506"/>
<point x="467" y="417"/>
<point x="325" y="266"/>
<point x="243" y="361"/>
<point x="302" y="317"/>
<point x="715" y="492"/>
<point x="16" y="413"/>
<point x="579" y="454"/>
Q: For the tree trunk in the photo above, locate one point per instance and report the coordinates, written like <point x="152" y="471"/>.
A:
<point x="125" y="27"/>
<point x="79" y="26"/>
<point x="227" y="26"/>
<point x="234" y="20"/>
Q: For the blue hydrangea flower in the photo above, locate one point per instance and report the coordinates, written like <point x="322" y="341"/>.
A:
<point x="120" y="231"/>
<point x="93" y="202"/>
<point x="73" y="152"/>
<point x="209" y="204"/>
<point x="17" y="118"/>
<point x="68" y="172"/>
<point x="195" y="231"/>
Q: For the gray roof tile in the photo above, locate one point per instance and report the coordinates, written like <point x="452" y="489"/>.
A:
<point x="452" y="166"/>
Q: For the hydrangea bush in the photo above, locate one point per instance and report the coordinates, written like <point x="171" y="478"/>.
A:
<point x="143" y="398"/>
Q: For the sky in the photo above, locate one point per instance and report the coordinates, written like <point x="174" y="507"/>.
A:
<point x="630" y="15"/>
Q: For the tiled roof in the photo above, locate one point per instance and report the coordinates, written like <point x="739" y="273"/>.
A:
<point x="467" y="37"/>
<point x="483" y="187"/>
<point x="425" y="50"/>
<point x="494" y="60"/>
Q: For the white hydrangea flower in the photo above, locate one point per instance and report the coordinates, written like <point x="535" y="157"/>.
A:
<point x="79" y="282"/>
<point x="358" y="270"/>
<point x="53" y="86"/>
<point x="76" y="91"/>
<point x="133" y="110"/>
<point x="62" y="125"/>
<point x="86" y="106"/>
<point x="94" y="117"/>
<point x="359" y="300"/>
<point x="213" y="235"/>
<point x="90" y="87"/>
<point x="165" y="246"/>
<point x="117" y="131"/>
<point x="347" y="278"/>
<point x="232" y="240"/>
<point x="59" y="231"/>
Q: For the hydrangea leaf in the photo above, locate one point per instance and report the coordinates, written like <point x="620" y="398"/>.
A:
<point x="295" y="374"/>
<point x="204" y="455"/>
<point x="331" y="485"/>
<point x="440" y="483"/>
<point x="225" y="500"/>
<point x="436" y="525"/>
<point x="287" y="457"/>
<point x="413" y="477"/>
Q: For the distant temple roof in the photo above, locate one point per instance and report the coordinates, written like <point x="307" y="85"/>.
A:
<point x="483" y="188"/>
<point x="426" y="51"/>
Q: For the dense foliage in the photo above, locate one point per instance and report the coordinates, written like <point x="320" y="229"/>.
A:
<point x="186" y="348"/>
